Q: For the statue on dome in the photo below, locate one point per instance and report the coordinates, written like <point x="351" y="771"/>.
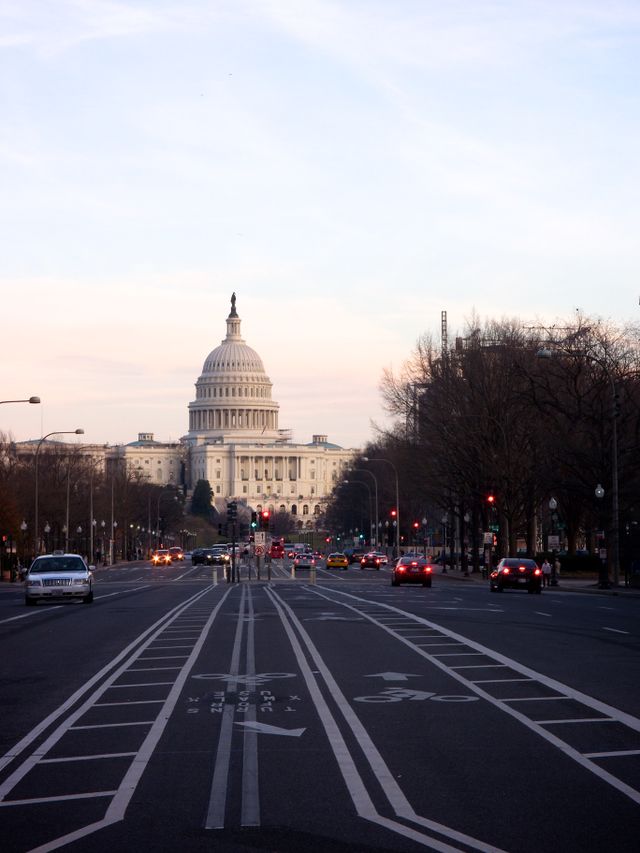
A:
<point x="233" y="305"/>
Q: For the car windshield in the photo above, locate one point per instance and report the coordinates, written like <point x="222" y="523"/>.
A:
<point x="58" y="564"/>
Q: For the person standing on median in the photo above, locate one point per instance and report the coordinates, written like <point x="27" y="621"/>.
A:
<point x="546" y="573"/>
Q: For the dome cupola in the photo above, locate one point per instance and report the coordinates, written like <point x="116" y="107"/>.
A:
<point x="233" y="393"/>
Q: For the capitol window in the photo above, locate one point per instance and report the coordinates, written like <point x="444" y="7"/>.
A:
<point x="305" y="509"/>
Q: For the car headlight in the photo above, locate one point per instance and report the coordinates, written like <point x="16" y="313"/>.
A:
<point x="80" y="581"/>
<point x="33" y="582"/>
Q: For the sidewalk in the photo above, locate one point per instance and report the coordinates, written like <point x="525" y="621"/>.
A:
<point x="587" y="585"/>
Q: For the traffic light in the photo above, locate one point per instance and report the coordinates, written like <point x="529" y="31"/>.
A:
<point x="416" y="525"/>
<point x="491" y="500"/>
<point x="254" y="520"/>
<point x="394" y="513"/>
<point x="264" y="519"/>
<point x="232" y="511"/>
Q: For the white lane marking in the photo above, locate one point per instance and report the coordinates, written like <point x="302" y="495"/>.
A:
<point x="615" y="754"/>
<point x="576" y="720"/>
<point x="594" y="704"/>
<point x="540" y="613"/>
<point x="355" y="785"/>
<point x="30" y="613"/>
<point x="615" y="631"/>
<point x="250" y="806"/>
<point x="61" y="799"/>
<point x="532" y="698"/>
<point x="218" y="793"/>
<point x="36" y="732"/>
<point x="72" y="758"/>
<point x="393" y="676"/>
<point x="266" y="729"/>
<point x="118" y="806"/>
<point x="112" y="725"/>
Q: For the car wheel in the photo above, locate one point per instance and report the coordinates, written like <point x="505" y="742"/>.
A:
<point x="29" y="601"/>
<point x="88" y="598"/>
<point x="395" y="583"/>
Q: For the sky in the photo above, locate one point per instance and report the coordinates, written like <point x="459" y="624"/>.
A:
<point x="350" y="169"/>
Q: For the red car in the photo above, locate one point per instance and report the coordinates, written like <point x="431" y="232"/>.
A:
<point x="412" y="570"/>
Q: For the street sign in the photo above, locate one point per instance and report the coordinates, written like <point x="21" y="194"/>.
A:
<point x="259" y="550"/>
<point x="259" y="537"/>
<point x="487" y="539"/>
<point x="553" y="541"/>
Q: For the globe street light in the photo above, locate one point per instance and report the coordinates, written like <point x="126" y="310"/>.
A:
<point x="553" y="506"/>
<point x="395" y="471"/>
<point x="44" y="437"/>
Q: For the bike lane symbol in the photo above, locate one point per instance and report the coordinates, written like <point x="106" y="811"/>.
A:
<point x="399" y="694"/>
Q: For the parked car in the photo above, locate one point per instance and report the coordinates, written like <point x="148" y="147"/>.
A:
<point x="516" y="573"/>
<point x="412" y="569"/>
<point x="58" y="576"/>
<point x="337" y="561"/>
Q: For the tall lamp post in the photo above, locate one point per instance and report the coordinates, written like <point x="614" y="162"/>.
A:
<point x="368" y="488"/>
<point x="375" y="483"/>
<point x="28" y="400"/>
<point x="395" y="471"/>
<point x="44" y="437"/>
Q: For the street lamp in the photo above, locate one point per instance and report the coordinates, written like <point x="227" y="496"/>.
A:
<point x="44" y="437"/>
<point x="375" y="482"/>
<point x="553" y="506"/>
<point x="23" y="529"/>
<point x="444" y="520"/>
<point x="29" y="400"/>
<point x="603" y="583"/>
<point x="368" y="488"/>
<point x="395" y="471"/>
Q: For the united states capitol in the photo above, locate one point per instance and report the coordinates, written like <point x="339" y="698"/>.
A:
<point x="234" y="442"/>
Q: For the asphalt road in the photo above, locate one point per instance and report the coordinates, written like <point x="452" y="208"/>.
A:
<point x="175" y="713"/>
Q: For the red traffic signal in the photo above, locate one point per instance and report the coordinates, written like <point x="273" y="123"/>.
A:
<point x="393" y="513"/>
<point x="416" y="525"/>
<point x="265" y="514"/>
<point x="491" y="500"/>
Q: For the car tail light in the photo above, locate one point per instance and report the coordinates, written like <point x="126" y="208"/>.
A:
<point x="537" y="571"/>
<point x="522" y="568"/>
<point x="427" y="568"/>
<point x="506" y="570"/>
<point x="401" y="569"/>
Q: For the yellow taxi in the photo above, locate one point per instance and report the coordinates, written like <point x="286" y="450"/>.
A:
<point x="337" y="561"/>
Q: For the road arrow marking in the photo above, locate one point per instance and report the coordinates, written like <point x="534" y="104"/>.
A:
<point x="266" y="729"/>
<point x="393" y="676"/>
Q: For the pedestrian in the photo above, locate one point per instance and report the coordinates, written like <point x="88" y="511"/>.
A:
<point x="546" y="573"/>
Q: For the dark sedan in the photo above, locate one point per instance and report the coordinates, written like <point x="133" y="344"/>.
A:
<point x="371" y="561"/>
<point x="414" y="569"/>
<point x="516" y="573"/>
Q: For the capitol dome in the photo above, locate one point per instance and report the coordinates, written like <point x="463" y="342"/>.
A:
<point x="233" y="393"/>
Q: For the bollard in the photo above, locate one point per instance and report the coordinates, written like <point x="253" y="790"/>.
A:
<point x="214" y="577"/>
<point x="293" y="572"/>
<point x="312" y="574"/>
